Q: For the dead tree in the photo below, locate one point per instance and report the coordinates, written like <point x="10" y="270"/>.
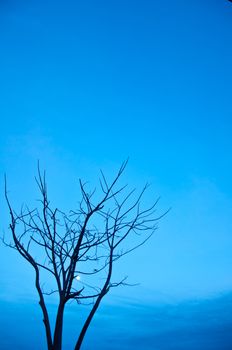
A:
<point x="84" y="243"/>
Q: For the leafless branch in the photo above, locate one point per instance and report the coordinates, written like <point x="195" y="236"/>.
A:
<point x="85" y="241"/>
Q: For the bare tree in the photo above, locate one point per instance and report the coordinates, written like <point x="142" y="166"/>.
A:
<point x="85" y="242"/>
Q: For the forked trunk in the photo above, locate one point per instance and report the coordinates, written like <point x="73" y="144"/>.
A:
<point x="57" y="341"/>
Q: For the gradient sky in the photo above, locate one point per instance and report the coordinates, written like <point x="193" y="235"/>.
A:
<point x="86" y="84"/>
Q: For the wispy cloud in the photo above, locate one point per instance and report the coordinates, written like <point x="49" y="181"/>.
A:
<point x="196" y="324"/>
<point x="190" y="325"/>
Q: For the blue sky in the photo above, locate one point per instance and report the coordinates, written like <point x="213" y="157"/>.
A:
<point x="84" y="85"/>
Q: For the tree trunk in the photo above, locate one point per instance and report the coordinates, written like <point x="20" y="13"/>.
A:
<point x="87" y="323"/>
<point x="57" y="341"/>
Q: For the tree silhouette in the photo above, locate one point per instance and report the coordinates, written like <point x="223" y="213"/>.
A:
<point x="85" y="242"/>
